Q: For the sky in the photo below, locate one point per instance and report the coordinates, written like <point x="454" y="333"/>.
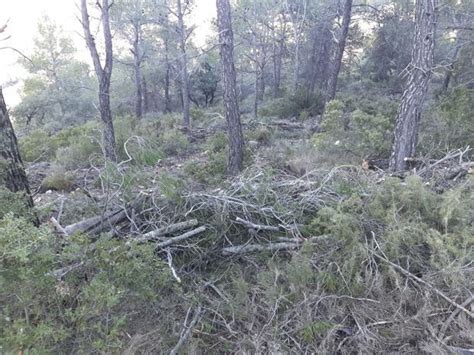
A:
<point x="23" y="16"/>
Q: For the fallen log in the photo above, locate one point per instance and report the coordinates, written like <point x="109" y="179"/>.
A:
<point x="105" y="222"/>
<point x="172" y="228"/>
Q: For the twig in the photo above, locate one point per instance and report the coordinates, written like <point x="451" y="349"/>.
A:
<point x="186" y="332"/>
<point x="170" y="264"/>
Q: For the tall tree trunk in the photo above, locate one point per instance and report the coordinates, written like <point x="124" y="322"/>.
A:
<point x="183" y="65"/>
<point x="409" y="110"/>
<point x="320" y="57"/>
<point x="346" y="20"/>
<point x="277" y="54"/>
<point x="226" y="40"/>
<point x="146" y="102"/>
<point x="167" y="78"/>
<point x="103" y="73"/>
<point x="137" y="63"/>
<point x="12" y="172"/>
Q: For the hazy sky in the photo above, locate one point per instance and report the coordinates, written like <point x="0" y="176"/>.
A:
<point x="23" y="16"/>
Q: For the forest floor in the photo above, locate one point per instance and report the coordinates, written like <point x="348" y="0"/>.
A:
<point x="295" y="255"/>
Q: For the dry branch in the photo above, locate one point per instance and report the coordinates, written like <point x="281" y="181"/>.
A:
<point x="99" y="224"/>
<point x="58" y="227"/>
<point x="257" y="227"/>
<point x="172" y="228"/>
<point x="249" y="248"/>
<point x="423" y="282"/>
<point x="181" y="237"/>
<point x="186" y="332"/>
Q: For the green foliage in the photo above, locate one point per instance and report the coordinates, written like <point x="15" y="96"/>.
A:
<point x="171" y="187"/>
<point x="14" y="203"/>
<point x="217" y="142"/>
<point x="36" y="146"/>
<point x="300" y="104"/>
<point x="212" y="171"/>
<point x="58" y="180"/>
<point x="72" y="147"/>
<point x="89" y="309"/>
<point x="58" y="90"/>
<point x="261" y="134"/>
<point x="317" y="329"/>
<point x="174" y="142"/>
<point x="204" y="83"/>
<point x="449" y="125"/>
<point x="360" y="133"/>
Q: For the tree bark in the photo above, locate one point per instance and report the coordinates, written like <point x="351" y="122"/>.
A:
<point x="277" y="60"/>
<point x="409" y="110"/>
<point x="103" y="73"/>
<point x="183" y="64"/>
<point x="320" y="57"/>
<point x="232" y="114"/>
<point x="146" y="102"/>
<point x="137" y="63"/>
<point x="12" y="172"/>
<point x="346" y="20"/>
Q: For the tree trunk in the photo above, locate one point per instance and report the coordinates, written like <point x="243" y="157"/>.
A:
<point x="146" y="102"/>
<point x="320" y="57"/>
<point x="409" y="110"/>
<point x="277" y="54"/>
<point x="12" y="172"/>
<point x="226" y="40"/>
<point x="137" y="62"/>
<point x="167" y="78"/>
<point x="103" y="74"/>
<point x="183" y="65"/>
<point x="346" y="20"/>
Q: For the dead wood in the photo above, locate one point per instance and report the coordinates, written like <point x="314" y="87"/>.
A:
<point x="181" y="237"/>
<point x="249" y="248"/>
<point x="106" y="222"/>
<point x="172" y="228"/>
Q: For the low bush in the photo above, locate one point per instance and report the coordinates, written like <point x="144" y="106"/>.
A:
<point x="89" y="309"/>
<point x="58" y="180"/>
<point x="300" y="104"/>
<point x="36" y="146"/>
<point x="173" y="142"/>
<point x="358" y="133"/>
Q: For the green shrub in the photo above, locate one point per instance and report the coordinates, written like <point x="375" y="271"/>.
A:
<point x="359" y="133"/>
<point x="36" y="146"/>
<point x="174" y="142"/>
<point x="58" y="180"/>
<point x="212" y="171"/>
<point x="300" y="104"/>
<point x="217" y="142"/>
<point x="261" y="134"/>
<point x="90" y="308"/>
<point x="14" y="203"/>
<point x="448" y="124"/>
<point x="79" y="153"/>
